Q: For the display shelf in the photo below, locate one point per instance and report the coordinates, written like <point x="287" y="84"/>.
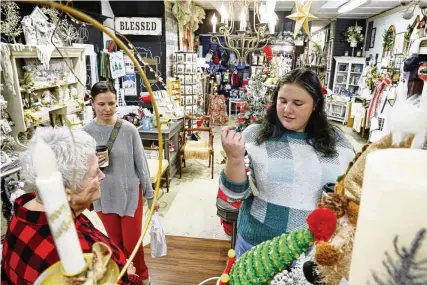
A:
<point x="185" y="70"/>
<point x="173" y="86"/>
<point x="47" y="86"/>
<point x="348" y="71"/>
<point x="75" y="59"/>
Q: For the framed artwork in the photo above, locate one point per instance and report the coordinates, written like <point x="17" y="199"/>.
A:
<point x="188" y="79"/>
<point x="188" y="58"/>
<point x="188" y="89"/>
<point x="188" y="100"/>
<point x="399" y="44"/>
<point x="188" y="68"/>
<point x="373" y="34"/>
<point x="179" y="58"/>
<point x="180" y="69"/>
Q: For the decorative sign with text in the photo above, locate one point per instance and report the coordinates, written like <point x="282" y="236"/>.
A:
<point x="139" y="26"/>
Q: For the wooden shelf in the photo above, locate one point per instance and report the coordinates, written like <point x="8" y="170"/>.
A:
<point x="46" y="86"/>
<point x="15" y="103"/>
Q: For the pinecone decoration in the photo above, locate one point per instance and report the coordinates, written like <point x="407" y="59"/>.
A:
<point x="260" y="264"/>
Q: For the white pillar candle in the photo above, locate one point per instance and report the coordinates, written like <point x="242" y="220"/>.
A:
<point x="393" y="204"/>
<point x="243" y="20"/>
<point x="214" y="20"/>
<point x="51" y="190"/>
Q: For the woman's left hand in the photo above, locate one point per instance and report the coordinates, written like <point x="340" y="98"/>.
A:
<point x="156" y="207"/>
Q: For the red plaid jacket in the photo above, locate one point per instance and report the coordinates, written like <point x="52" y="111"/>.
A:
<point x="29" y="249"/>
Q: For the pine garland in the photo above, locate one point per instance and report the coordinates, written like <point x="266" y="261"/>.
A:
<point x="260" y="264"/>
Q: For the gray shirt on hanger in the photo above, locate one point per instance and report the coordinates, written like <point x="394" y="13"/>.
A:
<point x="127" y="170"/>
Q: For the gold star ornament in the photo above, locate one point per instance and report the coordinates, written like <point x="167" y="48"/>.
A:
<point x="302" y="17"/>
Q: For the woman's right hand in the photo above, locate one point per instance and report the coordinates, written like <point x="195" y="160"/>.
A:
<point x="101" y="160"/>
<point x="233" y="143"/>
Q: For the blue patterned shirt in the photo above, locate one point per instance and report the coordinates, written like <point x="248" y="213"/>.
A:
<point x="289" y="175"/>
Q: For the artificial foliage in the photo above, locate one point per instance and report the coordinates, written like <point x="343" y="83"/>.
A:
<point x="404" y="267"/>
<point x="388" y="39"/>
<point x="354" y="34"/>
<point x="68" y="32"/>
<point x="11" y="23"/>
<point x="260" y="264"/>
<point x="371" y="77"/>
<point x="256" y="101"/>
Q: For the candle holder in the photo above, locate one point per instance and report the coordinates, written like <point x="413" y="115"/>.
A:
<point x="99" y="265"/>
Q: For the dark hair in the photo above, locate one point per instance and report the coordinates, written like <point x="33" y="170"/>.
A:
<point x="320" y="134"/>
<point x="102" y="87"/>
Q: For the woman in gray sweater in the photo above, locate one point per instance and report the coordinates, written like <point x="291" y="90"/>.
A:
<point x="127" y="177"/>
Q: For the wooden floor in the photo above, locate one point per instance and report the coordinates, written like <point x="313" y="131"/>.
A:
<point x="189" y="261"/>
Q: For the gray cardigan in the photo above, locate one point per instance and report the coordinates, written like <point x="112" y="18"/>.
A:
<point x="127" y="170"/>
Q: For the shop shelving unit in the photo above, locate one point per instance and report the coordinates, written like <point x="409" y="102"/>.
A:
<point x="76" y="57"/>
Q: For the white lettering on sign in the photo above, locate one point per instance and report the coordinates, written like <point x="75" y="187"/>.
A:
<point x="139" y="26"/>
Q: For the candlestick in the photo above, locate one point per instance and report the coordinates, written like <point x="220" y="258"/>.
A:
<point x="243" y="20"/>
<point x="392" y="217"/>
<point x="51" y="190"/>
<point x="214" y="20"/>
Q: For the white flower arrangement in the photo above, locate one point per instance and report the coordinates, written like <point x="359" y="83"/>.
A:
<point x="354" y="34"/>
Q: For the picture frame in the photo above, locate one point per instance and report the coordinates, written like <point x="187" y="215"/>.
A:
<point x="189" y="100"/>
<point x="194" y="58"/>
<point x="188" y="58"/>
<point x="372" y="40"/>
<point x="188" y="79"/>
<point x="194" y="79"/>
<point x="179" y="58"/>
<point x="399" y="44"/>
<point x="188" y="89"/>
<point x="180" y="68"/>
<point x="188" y="69"/>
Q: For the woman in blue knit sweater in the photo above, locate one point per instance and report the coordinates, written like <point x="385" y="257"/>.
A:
<point x="292" y="154"/>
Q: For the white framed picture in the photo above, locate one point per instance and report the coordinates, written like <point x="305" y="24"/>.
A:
<point x="194" y="57"/>
<point x="188" y="58"/>
<point x="188" y="69"/>
<point x="182" y="101"/>
<point x="182" y="89"/>
<point x="180" y="69"/>
<point x="188" y="100"/>
<point x="194" y="79"/>
<point x="188" y="79"/>
<point x="179" y="58"/>
<point x="189" y="109"/>
<point x="188" y="89"/>
<point x="181" y="78"/>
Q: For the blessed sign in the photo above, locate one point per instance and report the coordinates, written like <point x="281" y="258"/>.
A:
<point x="139" y="26"/>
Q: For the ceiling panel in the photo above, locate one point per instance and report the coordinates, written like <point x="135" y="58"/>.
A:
<point x="320" y="8"/>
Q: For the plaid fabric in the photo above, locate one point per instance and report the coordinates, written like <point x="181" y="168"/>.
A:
<point x="289" y="175"/>
<point x="29" y="248"/>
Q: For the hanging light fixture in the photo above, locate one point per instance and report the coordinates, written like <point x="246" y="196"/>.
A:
<point x="245" y="39"/>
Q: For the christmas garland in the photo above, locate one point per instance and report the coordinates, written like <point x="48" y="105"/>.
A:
<point x="263" y="262"/>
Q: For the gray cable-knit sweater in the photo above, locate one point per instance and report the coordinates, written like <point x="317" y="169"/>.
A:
<point x="127" y="170"/>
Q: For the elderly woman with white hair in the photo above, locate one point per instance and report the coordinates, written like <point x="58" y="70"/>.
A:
<point x="28" y="248"/>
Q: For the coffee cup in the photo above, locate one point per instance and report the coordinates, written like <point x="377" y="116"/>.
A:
<point x="102" y="154"/>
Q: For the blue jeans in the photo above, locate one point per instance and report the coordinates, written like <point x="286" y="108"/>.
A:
<point x="241" y="246"/>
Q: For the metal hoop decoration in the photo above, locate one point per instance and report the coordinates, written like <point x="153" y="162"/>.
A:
<point x="82" y="16"/>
